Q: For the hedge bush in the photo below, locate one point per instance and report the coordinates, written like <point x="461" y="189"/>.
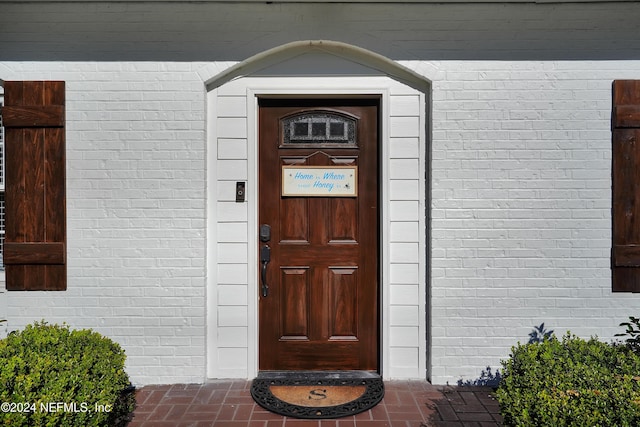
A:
<point x="570" y="382"/>
<point x="53" y="376"/>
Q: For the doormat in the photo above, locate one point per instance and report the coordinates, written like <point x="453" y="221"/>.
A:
<point x="317" y="395"/>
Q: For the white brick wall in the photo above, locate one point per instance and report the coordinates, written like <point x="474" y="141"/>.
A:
<point x="520" y="208"/>
<point x="136" y="214"/>
<point x="519" y="173"/>
<point x="520" y="214"/>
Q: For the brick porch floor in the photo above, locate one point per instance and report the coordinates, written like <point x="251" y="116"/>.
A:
<point x="229" y="403"/>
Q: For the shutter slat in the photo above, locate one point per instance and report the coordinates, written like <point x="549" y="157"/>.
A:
<point x="34" y="253"/>
<point x="626" y="255"/>
<point x="33" y="116"/>
<point x="626" y="116"/>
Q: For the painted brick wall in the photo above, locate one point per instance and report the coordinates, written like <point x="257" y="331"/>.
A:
<point x="135" y="212"/>
<point x="521" y="227"/>
<point x="520" y="223"/>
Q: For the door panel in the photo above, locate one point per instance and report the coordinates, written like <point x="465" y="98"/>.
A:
<point x="321" y="310"/>
<point x="293" y="220"/>
<point x="343" y="295"/>
<point x="343" y="223"/>
<point x="294" y="303"/>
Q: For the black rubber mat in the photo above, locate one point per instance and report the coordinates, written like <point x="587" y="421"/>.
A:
<point x="317" y="394"/>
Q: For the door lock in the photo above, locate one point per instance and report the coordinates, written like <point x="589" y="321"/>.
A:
<point x="265" y="233"/>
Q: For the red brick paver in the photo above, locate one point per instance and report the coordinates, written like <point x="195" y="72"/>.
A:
<point x="229" y="403"/>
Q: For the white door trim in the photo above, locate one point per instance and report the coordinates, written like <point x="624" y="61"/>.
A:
<point x="251" y="89"/>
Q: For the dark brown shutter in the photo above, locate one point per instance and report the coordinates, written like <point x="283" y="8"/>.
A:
<point x="625" y="123"/>
<point x="35" y="212"/>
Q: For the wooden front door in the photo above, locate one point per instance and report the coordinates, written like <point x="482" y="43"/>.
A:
<point x="319" y="234"/>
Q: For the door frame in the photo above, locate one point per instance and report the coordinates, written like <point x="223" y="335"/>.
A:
<point x="251" y="88"/>
<point x="253" y="94"/>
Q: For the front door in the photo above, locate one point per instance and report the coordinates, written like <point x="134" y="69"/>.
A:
<point x="318" y="249"/>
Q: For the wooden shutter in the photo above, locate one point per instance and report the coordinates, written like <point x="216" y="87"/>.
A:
<point x="35" y="213"/>
<point x="625" y="123"/>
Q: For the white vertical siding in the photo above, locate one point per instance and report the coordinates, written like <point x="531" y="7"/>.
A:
<point x="406" y="198"/>
<point x="228" y="333"/>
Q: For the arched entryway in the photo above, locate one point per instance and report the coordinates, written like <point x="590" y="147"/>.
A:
<point x="311" y="73"/>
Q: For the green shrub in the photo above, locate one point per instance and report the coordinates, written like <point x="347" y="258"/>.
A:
<point x="573" y="382"/>
<point x="53" y="376"/>
<point x="632" y="333"/>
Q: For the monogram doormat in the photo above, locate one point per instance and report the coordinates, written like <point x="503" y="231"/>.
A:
<point x="317" y="395"/>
